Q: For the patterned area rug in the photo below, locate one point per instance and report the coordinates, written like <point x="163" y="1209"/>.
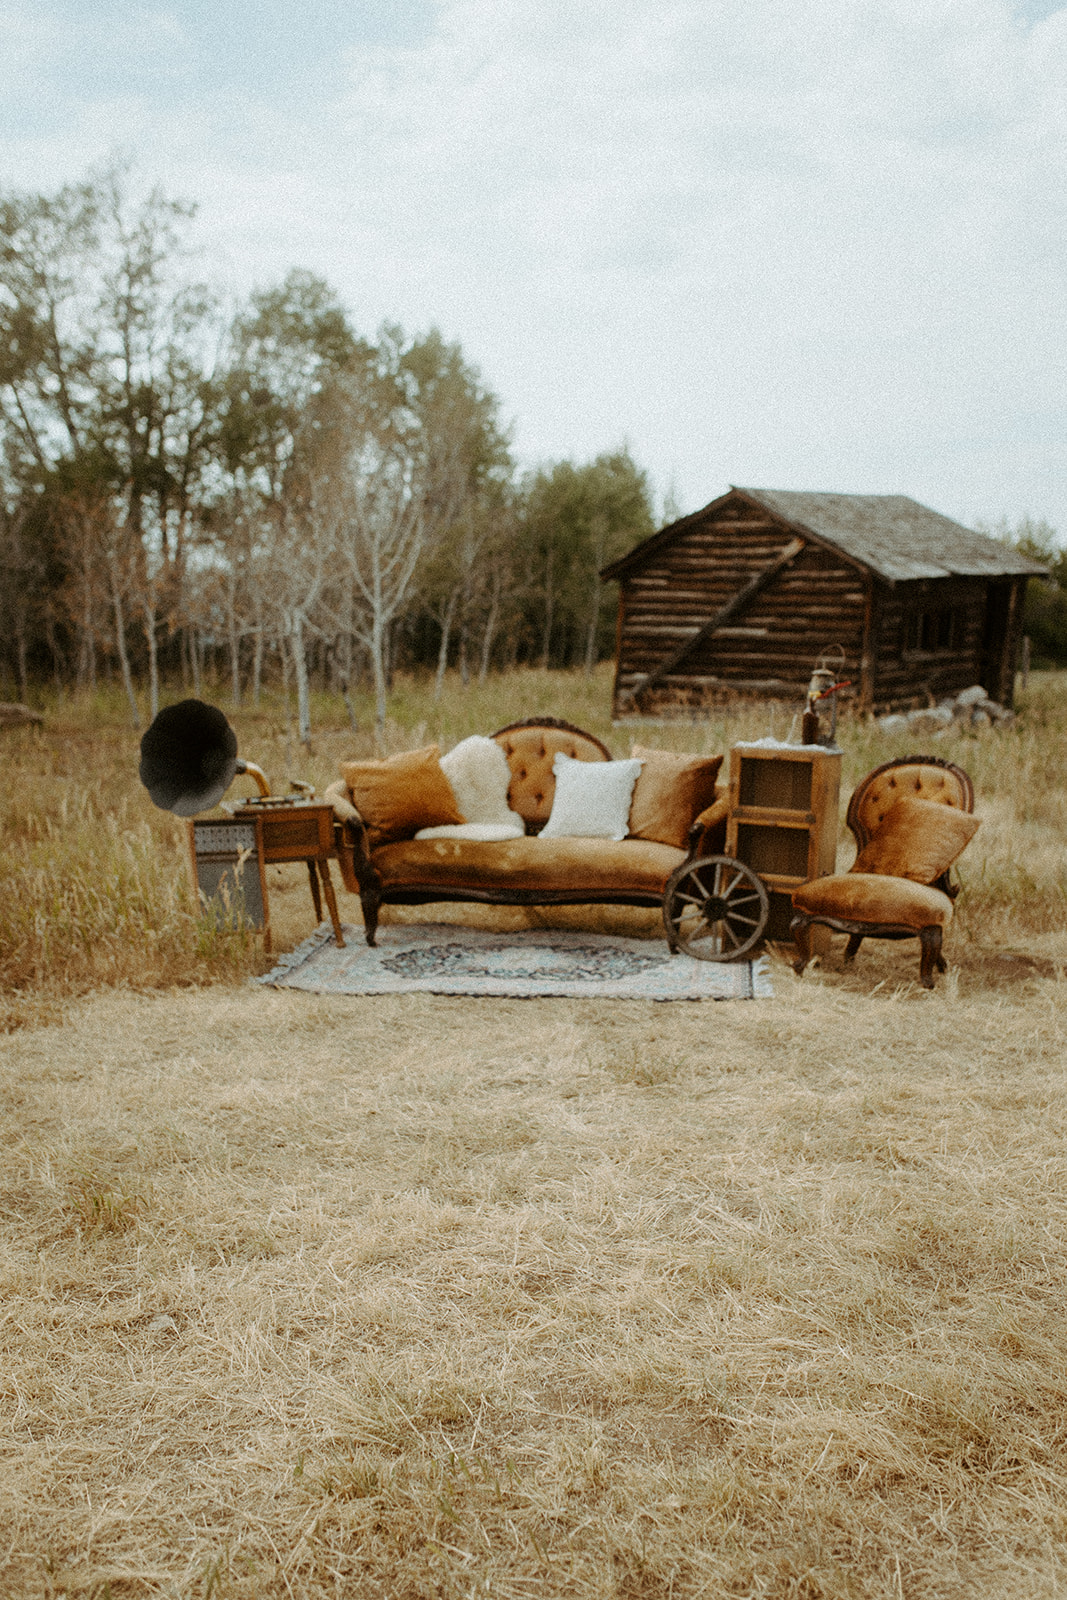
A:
<point x="438" y="959"/>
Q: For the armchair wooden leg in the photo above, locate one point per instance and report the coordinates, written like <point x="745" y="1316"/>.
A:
<point x="800" y="933"/>
<point x="852" y="948"/>
<point x="931" y="959"/>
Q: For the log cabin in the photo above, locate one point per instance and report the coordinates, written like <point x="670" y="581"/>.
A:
<point x="742" y="597"/>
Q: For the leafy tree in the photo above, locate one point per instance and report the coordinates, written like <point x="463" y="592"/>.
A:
<point x="1045" y="616"/>
<point x="103" y="399"/>
<point x="577" y="519"/>
<point x="402" y="451"/>
<point x="286" y="346"/>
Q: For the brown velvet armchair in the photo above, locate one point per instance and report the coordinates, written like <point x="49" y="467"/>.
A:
<point x="911" y="818"/>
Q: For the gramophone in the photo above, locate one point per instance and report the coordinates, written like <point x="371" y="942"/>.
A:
<point x="188" y="761"/>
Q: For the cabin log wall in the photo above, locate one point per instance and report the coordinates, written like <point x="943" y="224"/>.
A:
<point x="914" y="677"/>
<point x="815" y="604"/>
<point x="820" y="601"/>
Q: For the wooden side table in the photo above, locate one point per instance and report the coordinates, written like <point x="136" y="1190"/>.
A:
<point x="281" y="829"/>
<point x="299" y="830"/>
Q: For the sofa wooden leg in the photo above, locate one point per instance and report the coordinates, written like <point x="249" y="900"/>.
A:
<point x="800" y="933"/>
<point x="931" y="960"/>
<point x="852" y="948"/>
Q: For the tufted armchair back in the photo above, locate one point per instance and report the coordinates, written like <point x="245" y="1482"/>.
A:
<point x="921" y="777"/>
<point x="531" y="747"/>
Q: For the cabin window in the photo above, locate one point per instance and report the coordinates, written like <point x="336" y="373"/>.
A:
<point x="930" y="632"/>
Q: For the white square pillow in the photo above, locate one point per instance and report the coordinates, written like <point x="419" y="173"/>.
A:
<point x="592" y="799"/>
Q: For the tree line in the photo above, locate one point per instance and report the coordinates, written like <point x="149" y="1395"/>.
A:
<point x="262" y="490"/>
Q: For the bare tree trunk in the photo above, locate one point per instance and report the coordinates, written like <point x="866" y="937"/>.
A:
<point x="295" y="633"/>
<point x="20" y="663"/>
<point x="549" y="604"/>
<point x="234" y="640"/>
<point x="446" y="634"/>
<point x="153" y="658"/>
<point x="490" y="628"/>
<point x="85" y="677"/>
<point x="194" y="658"/>
<point x="257" y="664"/>
<point x="594" y="627"/>
<point x="57" y="654"/>
<point x="377" y="660"/>
<point x="124" y="660"/>
<point x="464" y="638"/>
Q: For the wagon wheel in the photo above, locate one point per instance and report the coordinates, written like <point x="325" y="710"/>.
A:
<point x="714" y="908"/>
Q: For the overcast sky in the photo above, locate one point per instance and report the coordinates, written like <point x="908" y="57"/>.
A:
<point x="819" y="244"/>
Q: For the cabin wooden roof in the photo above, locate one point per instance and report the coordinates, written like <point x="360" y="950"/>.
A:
<point x="889" y="534"/>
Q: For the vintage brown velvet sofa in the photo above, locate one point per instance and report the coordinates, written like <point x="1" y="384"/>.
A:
<point x="524" y="871"/>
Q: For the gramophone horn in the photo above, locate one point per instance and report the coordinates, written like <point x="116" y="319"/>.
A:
<point x="189" y="758"/>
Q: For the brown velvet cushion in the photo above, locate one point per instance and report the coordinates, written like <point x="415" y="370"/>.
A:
<point x="869" y="897"/>
<point x="917" y="839"/>
<point x="598" y="868"/>
<point x="401" y="794"/>
<point x="671" y="791"/>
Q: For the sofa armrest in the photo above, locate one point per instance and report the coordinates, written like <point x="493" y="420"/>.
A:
<point x="707" y="834"/>
<point x="340" y="798"/>
<point x="350" y="838"/>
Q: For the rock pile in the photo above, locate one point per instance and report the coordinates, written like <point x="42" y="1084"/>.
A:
<point x="971" y="708"/>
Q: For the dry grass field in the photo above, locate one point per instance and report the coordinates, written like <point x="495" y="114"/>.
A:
<point x="410" y="1297"/>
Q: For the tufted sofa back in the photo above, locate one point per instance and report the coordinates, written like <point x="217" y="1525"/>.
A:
<point x="531" y="747"/>
<point x="921" y="777"/>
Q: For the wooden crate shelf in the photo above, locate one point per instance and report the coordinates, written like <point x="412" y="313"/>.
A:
<point x="783" y="819"/>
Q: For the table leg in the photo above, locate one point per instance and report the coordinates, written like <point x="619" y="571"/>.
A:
<point x="331" y="901"/>
<point x="316" y="898"/>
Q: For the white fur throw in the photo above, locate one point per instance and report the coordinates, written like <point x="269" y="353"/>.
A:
<point x="478" y="772"/>
<point x="484" y="832"/>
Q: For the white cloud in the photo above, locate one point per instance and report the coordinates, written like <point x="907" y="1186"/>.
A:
<point x="817" y="245"/>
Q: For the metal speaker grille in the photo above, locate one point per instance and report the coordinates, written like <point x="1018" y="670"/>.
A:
<point x="223" y="838"/>
<point x="227" y="872"/>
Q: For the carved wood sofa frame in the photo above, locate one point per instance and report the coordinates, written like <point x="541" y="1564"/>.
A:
<point x="862" y="824"/>
<point x="356" y="859"/>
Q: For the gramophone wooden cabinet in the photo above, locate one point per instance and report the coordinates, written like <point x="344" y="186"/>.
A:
<point x="784" y="818"/>
<point x="230" y="856"/>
